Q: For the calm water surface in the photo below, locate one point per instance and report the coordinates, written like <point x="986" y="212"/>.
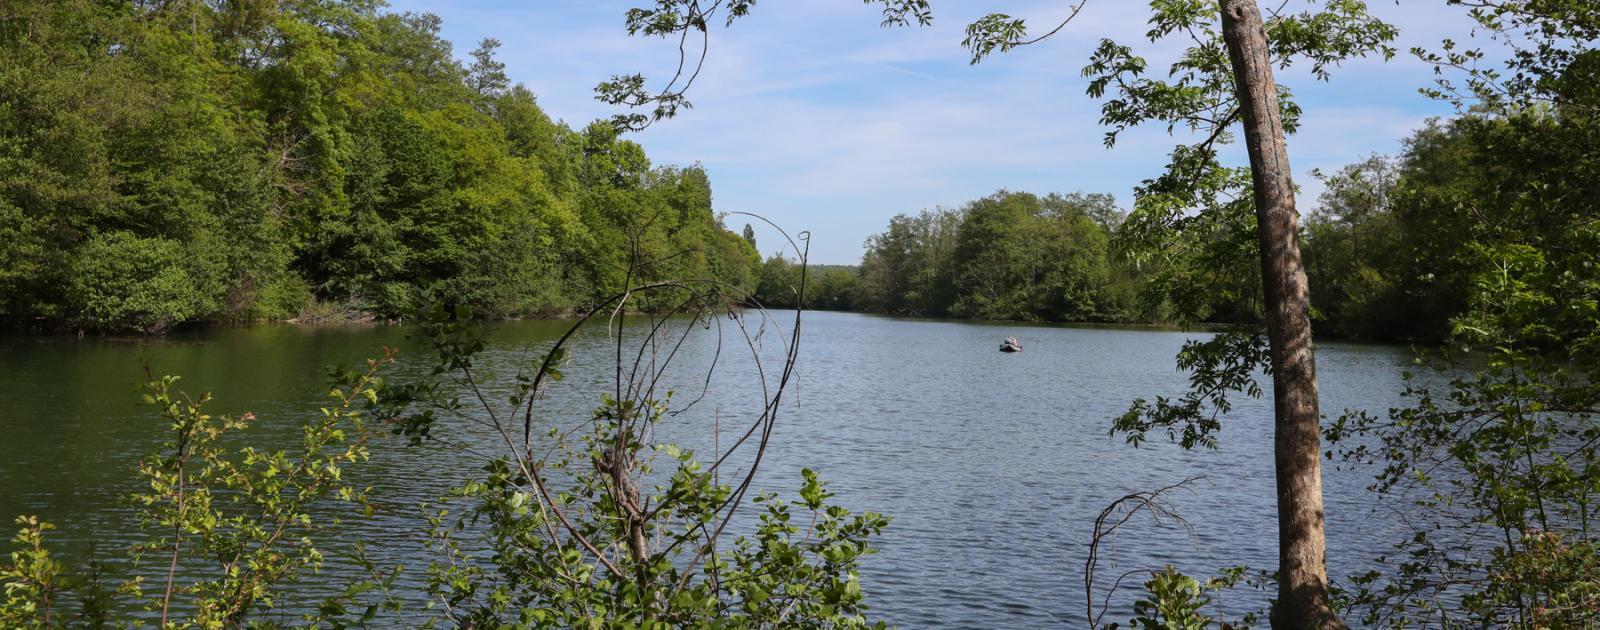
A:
<point x="993" y="466"/>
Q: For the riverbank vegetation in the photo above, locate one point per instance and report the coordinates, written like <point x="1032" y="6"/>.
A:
<point x="1392" y="246"/>
<point x="163" y="163"/>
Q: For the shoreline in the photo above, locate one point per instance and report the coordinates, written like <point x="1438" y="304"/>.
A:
<point x="365" y="319"/>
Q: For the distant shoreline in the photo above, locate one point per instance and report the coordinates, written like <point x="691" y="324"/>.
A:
<point x="363" y="318"/>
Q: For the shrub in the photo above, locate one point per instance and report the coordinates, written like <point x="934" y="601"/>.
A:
<point x="124" y="282"/>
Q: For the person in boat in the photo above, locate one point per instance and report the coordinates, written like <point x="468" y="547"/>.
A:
<point x="1011" y="345"/>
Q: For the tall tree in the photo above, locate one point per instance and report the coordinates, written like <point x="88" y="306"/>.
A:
<point x="1302" y="569"/>
<point x="487" y="75"/>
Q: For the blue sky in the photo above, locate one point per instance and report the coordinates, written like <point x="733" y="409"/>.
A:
<point x="810" y="114"/>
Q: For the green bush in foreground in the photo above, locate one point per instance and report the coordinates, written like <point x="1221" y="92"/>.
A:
<point x="579" y="532"/>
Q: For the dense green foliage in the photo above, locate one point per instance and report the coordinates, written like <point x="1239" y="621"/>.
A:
<point x="827" y="287"/>
<point x="168" y="162"/>
<point x="1397" y="246"/>
<point x="1006" y="256"/>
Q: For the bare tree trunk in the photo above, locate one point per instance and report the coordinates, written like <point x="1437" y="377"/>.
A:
<point x="1302" y="571"/>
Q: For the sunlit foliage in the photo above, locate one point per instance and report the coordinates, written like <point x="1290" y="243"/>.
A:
<point x="164" y="163"/>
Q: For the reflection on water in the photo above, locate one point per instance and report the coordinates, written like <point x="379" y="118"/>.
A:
<point x="992" y="465"/>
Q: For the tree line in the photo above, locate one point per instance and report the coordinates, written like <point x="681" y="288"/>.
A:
<point x="172" y="162"/>
<point x="1010" y="255"/>
<point x="1394" y="245"/>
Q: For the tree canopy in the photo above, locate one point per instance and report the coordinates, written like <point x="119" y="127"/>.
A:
<point x="171" y="162"/>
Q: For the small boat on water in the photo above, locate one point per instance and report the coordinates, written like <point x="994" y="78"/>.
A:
<point x="1011" y="345"/>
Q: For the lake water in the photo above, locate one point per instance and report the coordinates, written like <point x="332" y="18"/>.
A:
<point x="993" y="466"/>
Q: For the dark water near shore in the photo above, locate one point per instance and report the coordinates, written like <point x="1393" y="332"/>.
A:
<point x="993" y="466"/>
